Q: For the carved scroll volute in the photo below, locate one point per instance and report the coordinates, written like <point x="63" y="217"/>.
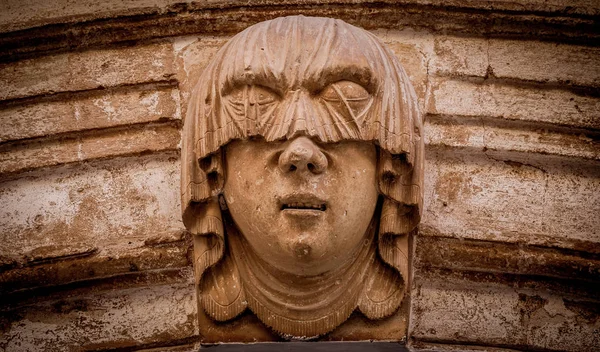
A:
<point x="302" y="177"/>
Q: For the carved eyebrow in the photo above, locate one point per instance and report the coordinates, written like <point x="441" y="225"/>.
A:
<point x="358" y="74"/>
<point x="253" y="78"/>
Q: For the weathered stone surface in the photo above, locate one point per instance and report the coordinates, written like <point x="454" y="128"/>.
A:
<point x="21" y="156"/>
<point x="542" y="200"/>
<point x="508" y="251"/>
<point x="545" y="62"/>
<point x="457" y="56"/>
<point x="498" y="314"/>
<point x="192" y="54"/>
<point x="501" y="257"/>
<point x="111" y="319"/>
<point x="413" y="49"/>
<point x="106" y="207"/>
<point x="500" y="135"/>
<point x="556" y="21"/>
<point x="79" y="112"/>
<point x="537" y="104"/>
<point x="18" y="15"/>
<point x="86" y="70"/>
<point x="517" y="60"/>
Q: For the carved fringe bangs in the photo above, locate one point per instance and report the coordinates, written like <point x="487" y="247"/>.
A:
<point x="250" y="58"/>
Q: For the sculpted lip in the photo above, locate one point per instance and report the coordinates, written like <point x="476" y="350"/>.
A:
<point x="302" y="202"/>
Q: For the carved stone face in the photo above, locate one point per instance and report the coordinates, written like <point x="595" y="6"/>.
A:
<point x="309" y="130"/>
<point x="303" y="207"/>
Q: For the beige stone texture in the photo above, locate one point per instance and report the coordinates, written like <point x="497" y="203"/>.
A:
<point x="496" y="134"/>
<point x="545" y="62"/>
<point x="105" y="320"/>
<point x="18" y="15"/>
<point x="21" y="156"/>
<point x="94" y="256"/>
<point x="75" y="71"/>
<point x="480" y="98"/>
<point x="492" y="196"/>
<point x="98" y="212"/>
<point x="497" y="313"/>
<point x="101" y="109"/>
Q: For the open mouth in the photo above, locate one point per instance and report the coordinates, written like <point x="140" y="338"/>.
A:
<point x="304" y="206"/>
<point x="302" y="202"/>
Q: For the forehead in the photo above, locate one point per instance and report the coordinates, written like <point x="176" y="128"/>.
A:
<point x="301" y="51"/>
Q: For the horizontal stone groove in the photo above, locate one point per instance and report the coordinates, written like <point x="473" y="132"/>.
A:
<point x="511" y="258"/>
<point x="14" y="20"/>
<point x="95" y="312"/>
<point x="87" y="93"/>
<point x="474" y="134"/>
<point x="80" y="70"/>
<point x="129" y="280"/>
<point x="498" y="134"/>
<point x="481" y="97"/>
<point x="584" y="90"/>
<point x="453" y="279"/>
<point x="183" y="20"/>
<point x="179" y="345"/>
<point x="463" y="341"/>
<point x="80" y="271"/>
<point x="67" y="148"/>
<point x="62" y="113"/>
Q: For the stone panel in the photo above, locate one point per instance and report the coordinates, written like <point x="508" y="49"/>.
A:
<point x="25" y="14"/>
<point x="414" y="51"/>
<point x="192" y="54"/>
<point x="104" y="207"/>
<point x="454" y="307"/>
<point x="517" y="60"/>
<point x="89" y="111"/>
<point x="526" y="103"/>
<point x="545" y="62"/>
<point x="86" y="70"/>
<point x="501" y="135"/>
<point x="540" y="200"/>
<point x="458" y="56"/>
<point x="21" y="156"/>
<point x="106" y="320"/>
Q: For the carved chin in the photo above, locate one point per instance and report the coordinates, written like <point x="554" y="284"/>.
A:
<point x="298" y="307"/>
<point x="302" y="250"/>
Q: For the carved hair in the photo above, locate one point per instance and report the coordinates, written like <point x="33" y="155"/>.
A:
<point x="272" y="56"/>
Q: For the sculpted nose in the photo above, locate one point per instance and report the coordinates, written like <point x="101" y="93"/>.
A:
<point x="302" y="155"/>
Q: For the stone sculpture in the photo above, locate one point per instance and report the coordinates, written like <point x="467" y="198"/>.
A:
<point x="302" y="176"/>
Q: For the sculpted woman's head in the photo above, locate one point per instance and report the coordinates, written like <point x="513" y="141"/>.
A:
<point x="302" y="176"/>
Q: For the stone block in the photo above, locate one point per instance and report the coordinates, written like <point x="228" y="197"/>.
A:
<point x="192" y="54"/>
<point x="454" y="307"/>
<point x="85" y="70"/>
<point x="413" y="50"/>
<point x="106" y="320"/>
<point x="104" y="208"/>
<point x="545" y="62"/>
<point x="31" y="154"/>
<point x="502" y="135"/>
<point x="537" y="104"/>
<point x="459" y="56"/>
<point x="541" y="200"/>
<point x="105" y="108"/>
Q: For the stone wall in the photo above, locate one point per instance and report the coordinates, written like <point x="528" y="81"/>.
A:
<point x="93" y="254"/>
